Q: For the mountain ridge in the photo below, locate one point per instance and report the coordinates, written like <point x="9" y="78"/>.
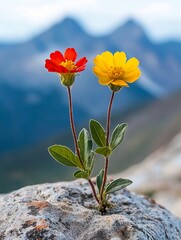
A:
<point x="24" y="80"/>
<point x="24" y="76"/>
<point x="33" y="164"/>
<point x="130" y="36"/>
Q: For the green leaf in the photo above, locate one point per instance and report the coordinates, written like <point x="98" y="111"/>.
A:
<point x="117" y="185"/>
<point x="85" y="145"/>
<point x="81" y="174"/>
<point x="105" y="151"/>
<point x="118" y="135"/>
<point x="99" y="179"/>
<point x="63" y="155"/>
<point x="90" y="162"/>
<point x="98" y="133"/>
<point x="79" y="164"/>
<point x="84" y="139"/>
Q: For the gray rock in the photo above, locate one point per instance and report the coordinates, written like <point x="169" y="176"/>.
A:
<point x="165" y="166"/>
<point x="66" y="211"/>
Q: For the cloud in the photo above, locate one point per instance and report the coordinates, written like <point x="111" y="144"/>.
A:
<point x="21" y="19"/>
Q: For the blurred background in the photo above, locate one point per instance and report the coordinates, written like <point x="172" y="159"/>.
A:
<point x="34" y="106"/>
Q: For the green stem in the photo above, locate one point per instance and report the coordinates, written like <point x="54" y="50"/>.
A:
<point x="107" y="144"/>
<point x="75" y="139"/>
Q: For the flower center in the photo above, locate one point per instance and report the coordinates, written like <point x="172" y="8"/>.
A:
<point x="69" y="65"/>
<point x="115" y="73"/>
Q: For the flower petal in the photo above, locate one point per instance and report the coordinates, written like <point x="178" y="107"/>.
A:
<point x="131" y="64"/>
<point x="81" y="62"/>
<point x="119" y="59"/>
<point x="57" y="57"/>
<point x="70" y="54"/>
<point x="99" y="72"/>
<point x="52" y="67"/>
<point x="48" y="65"/>
<point x="79" y="69"/>
<point x="100" y="63"/>
<point x="107" y="59"/>
<point x="104" y="81"/>
<point x="120" y="83"/>
<point x="132" y="76"/>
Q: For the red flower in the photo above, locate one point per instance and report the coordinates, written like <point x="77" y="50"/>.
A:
<point x="63" y="64"/>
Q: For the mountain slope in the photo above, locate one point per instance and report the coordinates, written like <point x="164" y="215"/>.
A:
<point x="29" y="93"/>
<point x="30" y="115"/>
<point x="160" y="61"/>
<point x="149" y="127"/>
<point x="33" y="104"/>
<point x="164" y="165"/>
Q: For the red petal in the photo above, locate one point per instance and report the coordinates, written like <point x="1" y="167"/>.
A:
<point x="82" y="68"/>
<point x="70" y="54"/>
<point x="81" y="62"/>
<point x="52" y="67"/>
<point x="48" y="65"/>
<point x="57" y="57"/>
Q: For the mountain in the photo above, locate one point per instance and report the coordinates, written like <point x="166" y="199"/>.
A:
<point x="63" y="34"/>
<point x="23" y="64"/>
<point x="33" y="104"/>
<point x="32" y="100"/>
<point x="149" y="127"/>
<point x="164" y="164"/>
<point x="30" y="115"/>
<point x="159" y="61"/>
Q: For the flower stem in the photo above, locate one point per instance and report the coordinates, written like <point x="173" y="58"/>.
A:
<point x="93" y="190"/>
<point x="73" y="125"/>
<point x="109" y="118"/>
<point x="107" y="144"/>
<point x="75" y="139"/>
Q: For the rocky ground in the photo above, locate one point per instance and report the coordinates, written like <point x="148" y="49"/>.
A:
<point x="66" y="211"/>
<point x="159" y="176"/>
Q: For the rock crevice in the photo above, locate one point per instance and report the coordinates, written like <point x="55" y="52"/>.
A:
<point x="66" y="211"/>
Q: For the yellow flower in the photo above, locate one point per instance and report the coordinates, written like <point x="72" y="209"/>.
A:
<point x="115" y="71"/>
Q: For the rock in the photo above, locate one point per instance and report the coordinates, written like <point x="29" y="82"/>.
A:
<point x="66" y="211"/>
<point x="159" y="176"/>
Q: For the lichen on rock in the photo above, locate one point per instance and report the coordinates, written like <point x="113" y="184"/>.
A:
<point x="66" y="211"/>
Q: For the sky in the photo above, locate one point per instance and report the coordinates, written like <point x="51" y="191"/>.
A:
<point x="20" y="20"/>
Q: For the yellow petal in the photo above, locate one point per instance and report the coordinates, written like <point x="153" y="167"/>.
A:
<point x="132" y="73"/>
<point x="119" y="83"/>
<point x="119" y="59"/>
<point x="107" y="59"/>
<point x="99" y="72"/>
<point x="131" y="64"/>
<point x="132" y="76"/>
<point x="99" y="63"/>
<point x="104" y="81"/>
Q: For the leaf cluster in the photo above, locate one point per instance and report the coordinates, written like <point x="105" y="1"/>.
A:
<point x="99" y="136"/>
<point x="85" y="159"/>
